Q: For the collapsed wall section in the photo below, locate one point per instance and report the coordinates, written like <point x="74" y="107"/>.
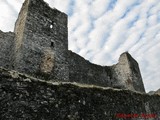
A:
<point x="6" y="49"/>
<point x="27" y="98"/>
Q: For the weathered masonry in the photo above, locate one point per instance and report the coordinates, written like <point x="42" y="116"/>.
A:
<point x="27" y="98"/>
<point x="39" y="47"/>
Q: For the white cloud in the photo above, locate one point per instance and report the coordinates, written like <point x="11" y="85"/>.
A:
<point x="100" y="30"/>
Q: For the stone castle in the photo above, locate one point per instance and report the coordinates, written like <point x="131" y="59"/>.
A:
<point x="40" y="79"/>
<point x="39" y="47"/>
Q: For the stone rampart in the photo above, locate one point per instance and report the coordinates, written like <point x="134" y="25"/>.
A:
<point x="27" y="98"/>
<point x="39" y="47"/>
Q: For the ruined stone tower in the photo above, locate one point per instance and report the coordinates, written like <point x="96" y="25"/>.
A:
<point x="127" y="73"/>
<point x="41" y="41"/>
<point x="39" y="47"/>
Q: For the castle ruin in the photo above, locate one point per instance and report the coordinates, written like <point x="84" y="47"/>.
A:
<point x="39" y="47"/>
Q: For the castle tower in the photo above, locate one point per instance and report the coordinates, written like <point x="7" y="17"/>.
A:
<point x="126" y="74"/>
<point x="41" y="41"/>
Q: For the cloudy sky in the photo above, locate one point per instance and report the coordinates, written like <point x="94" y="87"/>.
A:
<point x="100" y="30"/>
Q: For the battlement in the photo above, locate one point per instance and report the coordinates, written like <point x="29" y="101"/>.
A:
<point x="39" y="47"/>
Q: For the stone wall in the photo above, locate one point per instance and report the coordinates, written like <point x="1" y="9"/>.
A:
<point x="40" y="49"/>
<point x="18" y="41"/>
<point x="82" y="71"/>
<point x="124" y="75"/>
<point x="28" y="98"/>
<point x="39" y="29"/>
<point x="6" y="48"/>
<point x="127" y="74"/>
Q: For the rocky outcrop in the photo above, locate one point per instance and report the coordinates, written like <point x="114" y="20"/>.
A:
<point x="26" y="98"/>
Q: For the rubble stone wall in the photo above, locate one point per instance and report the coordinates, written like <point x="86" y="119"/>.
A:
<point x="27" y="98"/>
<point x="6" y="48"/>
<point x="40" y="49"/>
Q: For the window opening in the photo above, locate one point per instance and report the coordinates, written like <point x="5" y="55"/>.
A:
<point x="51" y="26"/>
<point x="52" y="44"/>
